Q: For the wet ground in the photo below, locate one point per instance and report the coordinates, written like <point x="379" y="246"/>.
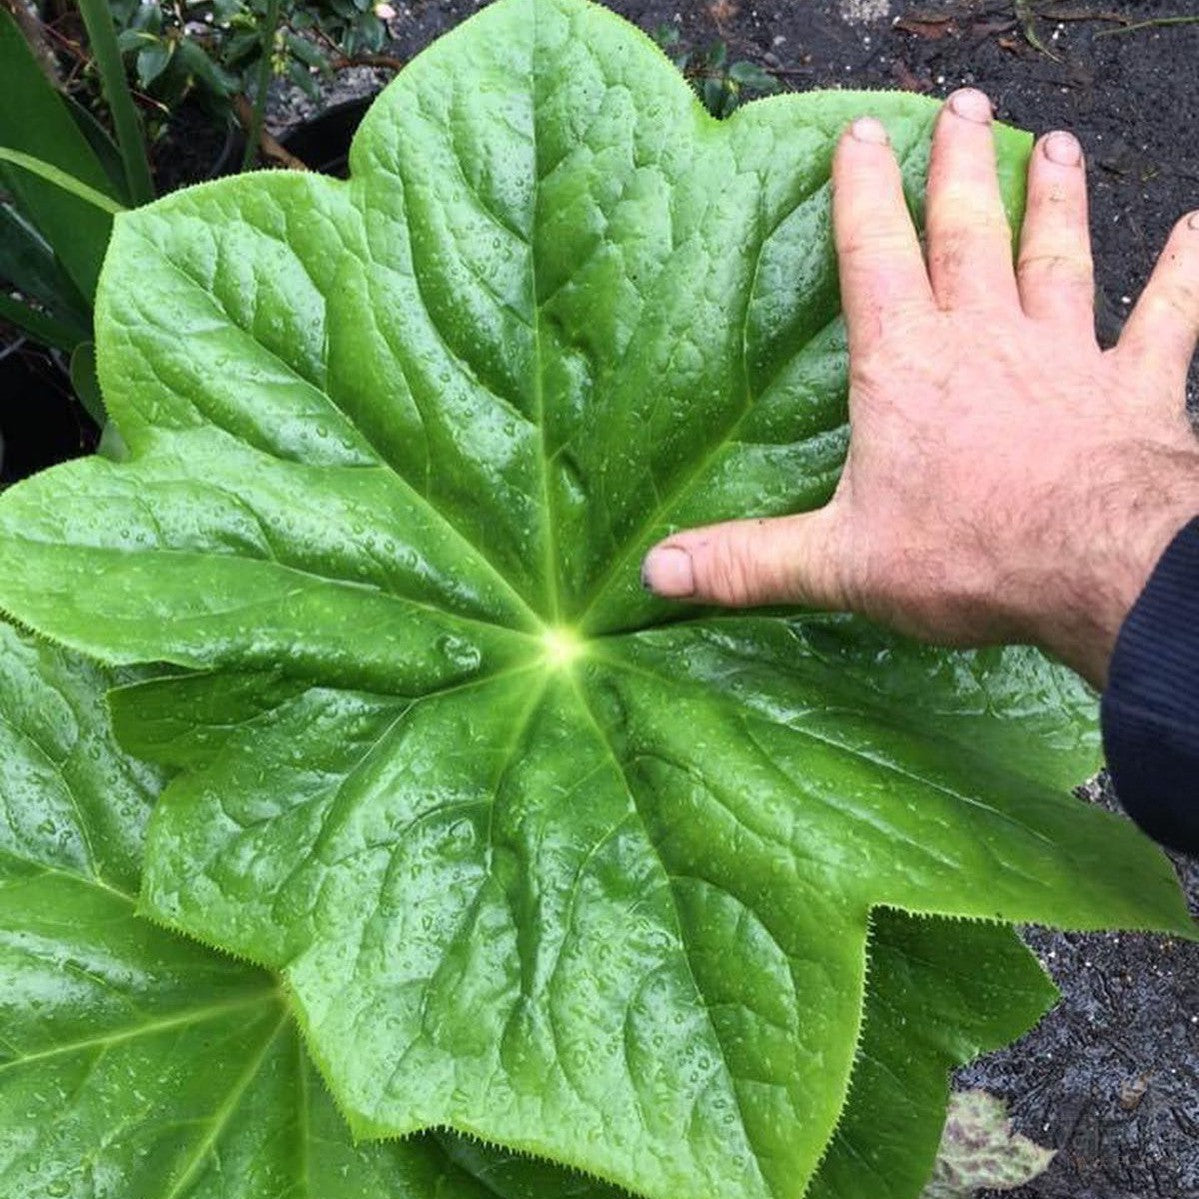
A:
<point x="1111" y="1078"/>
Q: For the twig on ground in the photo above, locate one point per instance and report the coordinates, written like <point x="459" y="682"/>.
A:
<point x="1026" y="14"/>
<point x="1083" y="14"/>
<point x="269" y="146"/>
<point x="1154" y="23"/>
<point x="369" y="60"/>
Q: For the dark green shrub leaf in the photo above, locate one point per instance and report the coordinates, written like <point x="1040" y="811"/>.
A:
<point x="542" y="859"/>
<point x="307" y="52"/>
<point x="303" y="78"/>
<point x="749" y="74"/>
<point x="29" y="264"/>
<point x="152" y="60"/>
<point x="129" y="40"/>
<point x="197" y="63"/>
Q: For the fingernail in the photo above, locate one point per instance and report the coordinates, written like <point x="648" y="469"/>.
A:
<point x="667" y="571"/>
<point x="1062" y="148"/>
<point x="972" y="104"/>
<point x="1193" y="221"/>
<point x="867" y="129"/>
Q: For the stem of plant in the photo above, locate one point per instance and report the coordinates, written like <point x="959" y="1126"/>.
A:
<point x="130" y="136"/>
<point x="262" y="84"/>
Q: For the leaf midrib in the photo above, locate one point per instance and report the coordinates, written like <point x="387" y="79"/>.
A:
<point x="609" y="750"/>
<point x="551" y="566"/>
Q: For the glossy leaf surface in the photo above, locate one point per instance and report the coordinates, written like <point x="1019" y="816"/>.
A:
<point x="541" y="858"/>
<point x="940" y="992"/>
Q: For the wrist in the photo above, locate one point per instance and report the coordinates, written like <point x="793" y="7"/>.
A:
<point x="1131" y="521"/>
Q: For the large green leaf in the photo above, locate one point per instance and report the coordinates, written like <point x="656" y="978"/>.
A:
<point x="137" y="1063"/>
<point x="132" y="1062"/>
<point x="541" y="858"/>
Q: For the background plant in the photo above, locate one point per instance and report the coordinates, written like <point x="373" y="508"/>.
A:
<point x="217" y="45"/>
<point x="64" y="173"/>
<point x="213" y="51"/>
<point x="63" y="177"/>
<point x="721" y="84"/>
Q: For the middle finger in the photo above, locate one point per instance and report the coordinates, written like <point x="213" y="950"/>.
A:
<point x="969" y="242"/>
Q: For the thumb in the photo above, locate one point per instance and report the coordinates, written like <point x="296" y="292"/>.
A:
<point x="744" y="562"/>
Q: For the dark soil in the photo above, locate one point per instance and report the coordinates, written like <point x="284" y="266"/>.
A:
<point x="1111" y="1077"/>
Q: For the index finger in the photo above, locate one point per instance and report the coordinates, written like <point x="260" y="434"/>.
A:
<point x="882" y="269"/>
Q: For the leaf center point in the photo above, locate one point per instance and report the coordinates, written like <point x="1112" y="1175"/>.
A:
<point x="562" y="646"/>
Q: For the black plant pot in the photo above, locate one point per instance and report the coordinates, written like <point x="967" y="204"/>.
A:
<point x="323" y="144"/>
<point x="198" y="145"/>
<point x="41" y="421"/>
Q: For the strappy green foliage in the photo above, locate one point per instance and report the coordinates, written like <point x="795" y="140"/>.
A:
<point x="543" y="859"/>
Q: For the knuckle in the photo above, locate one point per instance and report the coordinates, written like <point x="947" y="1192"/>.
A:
<point x="737" y="572"/>
<point x="967" y="201"/>
<point x="1074" y="269"/>
<point x="878" y="242"/>
<point x="953" y="245"/>
<point x="1186" y="228"/>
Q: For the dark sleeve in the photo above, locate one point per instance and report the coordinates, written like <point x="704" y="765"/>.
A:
<point x="1151" y="706"/>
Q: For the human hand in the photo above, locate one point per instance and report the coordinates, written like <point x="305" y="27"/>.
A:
<point x="1007" y="480"/>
